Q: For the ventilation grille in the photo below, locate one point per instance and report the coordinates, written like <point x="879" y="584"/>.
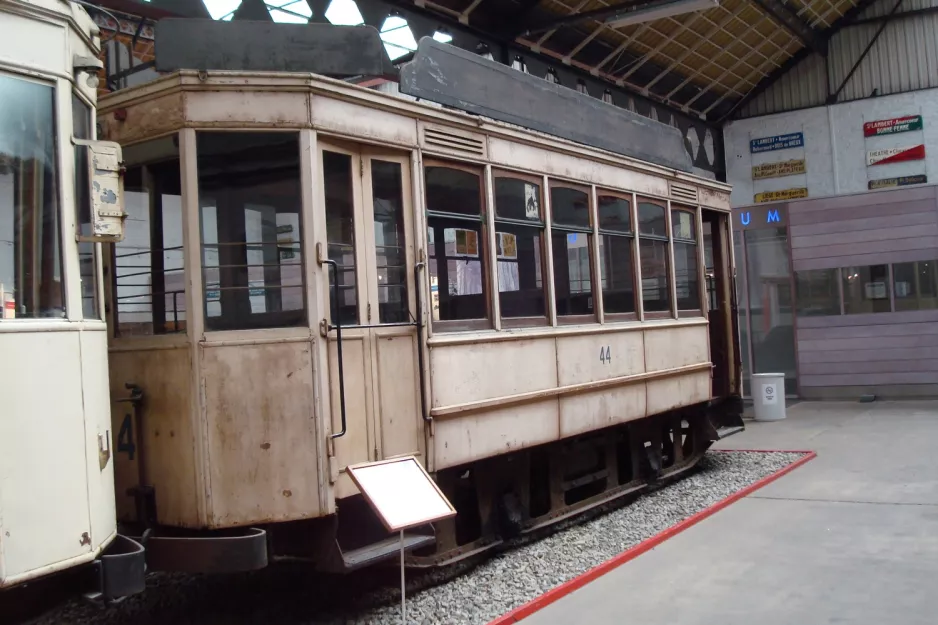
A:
<point x="684" y="192"/>
<point x="442" y="139"/>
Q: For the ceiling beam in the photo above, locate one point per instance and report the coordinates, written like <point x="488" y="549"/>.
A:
<point x="540" y="26"/>
<point x="791" y="22"/>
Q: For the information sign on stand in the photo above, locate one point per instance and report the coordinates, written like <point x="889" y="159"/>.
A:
<point x="403" y="495"/>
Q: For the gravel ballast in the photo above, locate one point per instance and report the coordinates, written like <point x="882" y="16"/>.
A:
<point x="294" y="596"/>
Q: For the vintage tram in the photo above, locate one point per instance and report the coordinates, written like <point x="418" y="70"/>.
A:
<point x="317" y="274"/>
<point x="59" y="209"/>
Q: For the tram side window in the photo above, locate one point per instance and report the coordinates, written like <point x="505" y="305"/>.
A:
<point x="653" y="248"/>
<point x="572" y="241"/>
<point x="455" y="244"/>
<point x="149" y="281"/>
<point x="519" y="241"/>
<point x="87" y="256"/>
<point x="31" y="282"/>
<point x="615" y="253"/>
<point x="250" y="211"/>
<point x="686" y="267"/>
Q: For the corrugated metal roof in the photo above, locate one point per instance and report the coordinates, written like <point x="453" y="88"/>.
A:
<point x="904" y="58"/>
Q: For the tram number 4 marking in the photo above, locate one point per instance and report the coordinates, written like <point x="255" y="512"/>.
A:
<point x="125" y="437"/>
<point x="605" y="355"/>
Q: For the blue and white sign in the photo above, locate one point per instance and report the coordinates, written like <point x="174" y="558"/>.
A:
<point x="778" y="142"/>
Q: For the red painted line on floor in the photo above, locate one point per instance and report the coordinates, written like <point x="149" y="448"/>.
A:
<point x="599" y="570"/>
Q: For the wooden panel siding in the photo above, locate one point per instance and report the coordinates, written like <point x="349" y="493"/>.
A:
<point x="926" y="216"/>
<point x="871" y="350"/>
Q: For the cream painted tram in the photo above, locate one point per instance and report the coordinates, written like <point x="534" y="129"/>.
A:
<point x="316" y="274"/>
<point x="59" y="200"/>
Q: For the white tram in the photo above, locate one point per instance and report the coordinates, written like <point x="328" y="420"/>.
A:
<point x="59" y="199"/>
<point x="317" y="274"/>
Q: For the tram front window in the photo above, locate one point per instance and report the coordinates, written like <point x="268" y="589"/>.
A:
<point x="252" y="253"/>
<point x="31" y="282"/>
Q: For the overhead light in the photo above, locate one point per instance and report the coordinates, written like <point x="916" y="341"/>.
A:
<point x="657" y="10"/>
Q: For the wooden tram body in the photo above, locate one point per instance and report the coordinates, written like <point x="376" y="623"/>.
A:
<point x="529" y="316"/>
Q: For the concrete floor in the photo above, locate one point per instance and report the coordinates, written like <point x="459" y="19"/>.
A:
<point x="850" y="537"/>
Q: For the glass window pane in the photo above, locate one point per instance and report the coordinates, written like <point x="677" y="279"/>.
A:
<point x="453" y="191"/>
<point x="866" y="289"/>
<point x="340" y="236"/>
<point x="249" y="197"/>
<point x="87" y="267"/>
<point x="457" y="269"/>
<point x="771" y="323"/>
<point x="916" y="285"/>
<point x="615" y="213"/>
<point x="150" y="294"/>
<point x="615" y="254"/>
<point x="570" y="207"/>
<point x="651" y="219"/>
<point x="687" y="276"/>
<point x="656" y="293"/>
<point x="517" y="199"/>
<point x="520" y="287"/>
<point x="817" y="292"/>
<point x="31" y="283"/>
<point x="390" y="243"/>
<point x="573" y="290"/>
<point x="684" y="225"/>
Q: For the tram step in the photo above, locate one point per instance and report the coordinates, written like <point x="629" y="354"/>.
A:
<point x="729" y="431"/>
<point x="384" y="549"/>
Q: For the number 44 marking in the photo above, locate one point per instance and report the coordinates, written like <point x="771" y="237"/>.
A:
<point x="605" y="355"/>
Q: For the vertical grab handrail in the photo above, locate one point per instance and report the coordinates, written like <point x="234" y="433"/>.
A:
<point x="423" y="381"/>
<point x="337" y="324"/>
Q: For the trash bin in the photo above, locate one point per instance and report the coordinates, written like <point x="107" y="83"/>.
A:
<point x="768" y="396"/>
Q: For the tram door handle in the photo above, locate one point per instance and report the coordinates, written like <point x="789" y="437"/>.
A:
<point x="337" y="324"/>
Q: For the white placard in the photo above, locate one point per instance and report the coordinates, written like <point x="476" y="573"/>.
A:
<point x="401" y="493"/>
<point x="769" y="394"/>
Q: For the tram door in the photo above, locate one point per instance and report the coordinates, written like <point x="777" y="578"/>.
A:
<point x="369" y="221"/>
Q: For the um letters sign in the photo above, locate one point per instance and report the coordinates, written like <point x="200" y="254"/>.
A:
<point x="760" y="217"/>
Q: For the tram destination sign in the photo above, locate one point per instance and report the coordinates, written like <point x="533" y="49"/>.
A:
<point x="778" y="142"/>
<point x="895" y="155"/>
<point x="901" y="181"/>
<point x="784" y="194"/>
<point x="778" y="170"/>
<point x="892" y="126"/>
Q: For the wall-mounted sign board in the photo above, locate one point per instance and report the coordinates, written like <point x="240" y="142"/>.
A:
<point x="784" y="194"/>
<point x="892" y="126"/>
<point x="401" y="493"/>
<point x="777" y="170"/>
<point x="895" y="155"/>
<point x="901" y="181"/>
<point x="778" y="142"/>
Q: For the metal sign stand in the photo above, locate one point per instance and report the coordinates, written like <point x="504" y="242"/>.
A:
<point x="403" y="595"/>
<point x="403" y="495"/>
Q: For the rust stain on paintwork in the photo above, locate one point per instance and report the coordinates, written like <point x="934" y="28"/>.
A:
<point x="265" y="446"/>
<point x="288" y="493"/>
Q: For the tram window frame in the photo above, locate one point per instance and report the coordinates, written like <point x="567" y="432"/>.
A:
<point x="515" y="224"/>
<point x="439" y="222"/>
<point x="564" y="230"/>
<point x="267" y="195"/>
<point x="617" y="234"/>
<point x="658" y="239"/>
<point x="695" y="243"/>
<point x="88" y="251"/>
<point x="157" y="165"/>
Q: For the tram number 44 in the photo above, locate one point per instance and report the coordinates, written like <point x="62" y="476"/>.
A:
<point x="125" y="437"/>
<point x="605" y="355"/>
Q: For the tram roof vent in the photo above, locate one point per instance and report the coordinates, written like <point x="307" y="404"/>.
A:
<point x="451" y="141"/>
<point x="684" y="192"/>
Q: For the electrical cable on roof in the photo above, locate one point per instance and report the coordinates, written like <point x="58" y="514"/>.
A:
<point x="106" y="12"/>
